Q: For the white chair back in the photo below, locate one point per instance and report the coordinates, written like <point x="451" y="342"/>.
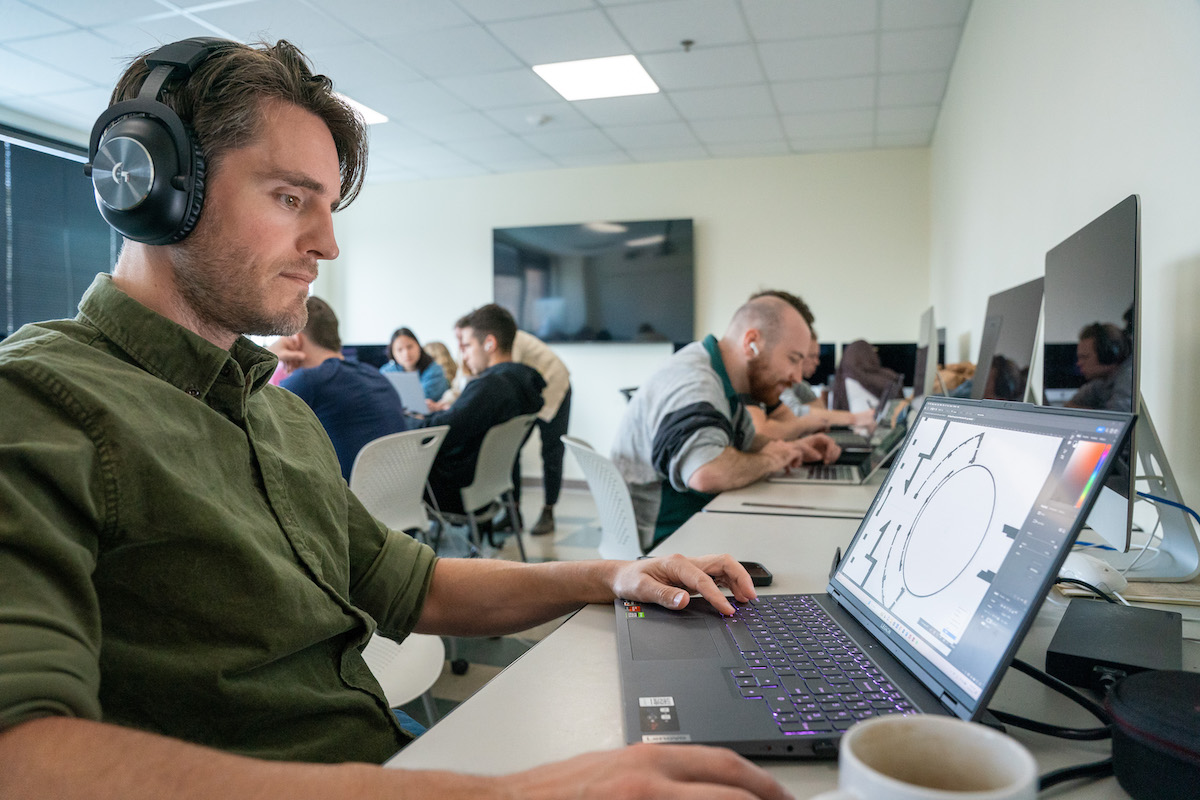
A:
<point x="406" y="670"/>
<point x="493" y="470"/>
<point x="389" y="476"/>
<point x="619" y="532"/>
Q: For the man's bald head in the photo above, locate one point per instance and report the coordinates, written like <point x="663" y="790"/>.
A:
<point x="769" y="314"/>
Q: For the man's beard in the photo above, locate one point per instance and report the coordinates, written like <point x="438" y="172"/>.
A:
<point x="762" y="387"/>
<point x="219" y="284"/>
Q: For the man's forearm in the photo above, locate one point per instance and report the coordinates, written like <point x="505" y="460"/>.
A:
<point x="69" y="758"/>
<point x="732" y="469"/>
<point x="485" y="597"/>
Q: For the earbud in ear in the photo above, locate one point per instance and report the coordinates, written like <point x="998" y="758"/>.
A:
<point x="754" y="348"/>
<point x="487" y="346"/>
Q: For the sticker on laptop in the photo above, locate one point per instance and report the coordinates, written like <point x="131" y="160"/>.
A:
<point x="657" y="714"/>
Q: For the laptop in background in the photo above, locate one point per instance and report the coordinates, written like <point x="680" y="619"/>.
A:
<point x="923" y="613"/>
<point x="847" y="474"/>
<point x="851" y="440"/>
<point x="412" y="394"/>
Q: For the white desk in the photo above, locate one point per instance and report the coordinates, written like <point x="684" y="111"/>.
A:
<point x="562" y="697"/>
<point x="778" y="498"/>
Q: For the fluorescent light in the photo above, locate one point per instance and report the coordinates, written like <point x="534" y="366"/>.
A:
<point x="605" y="227"/>
<point x="615" y="76"/>
<point x="370" y="116"/>
<point x="646" y="241"/>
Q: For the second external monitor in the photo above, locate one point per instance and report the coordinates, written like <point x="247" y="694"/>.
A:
<point x="1007" y="345"/>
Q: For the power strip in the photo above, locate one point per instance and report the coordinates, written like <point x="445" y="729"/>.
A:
<point x="1097" y="639"/>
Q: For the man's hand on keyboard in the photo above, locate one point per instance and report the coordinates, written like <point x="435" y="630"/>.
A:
<point x="671" y="580"/>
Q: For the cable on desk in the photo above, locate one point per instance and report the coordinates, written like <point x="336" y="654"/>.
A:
<point x="1153" y="498"/>
<point x="1096" y="769"/>
<point x="1103" y="595"/>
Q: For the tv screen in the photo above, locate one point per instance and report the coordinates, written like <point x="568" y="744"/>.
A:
<point x="598" y="281"/>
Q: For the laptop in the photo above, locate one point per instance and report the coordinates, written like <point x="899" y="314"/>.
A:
<point x="412" y="394"/>
<point x="847" y="474"/>
<point x="852" y="440"/>
<point x="923" y="613"/>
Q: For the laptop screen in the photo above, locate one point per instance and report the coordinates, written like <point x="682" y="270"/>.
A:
<point x="967" y="533"/>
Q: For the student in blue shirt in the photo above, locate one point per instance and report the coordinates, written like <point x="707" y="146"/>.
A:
<point x="407" y="355"/>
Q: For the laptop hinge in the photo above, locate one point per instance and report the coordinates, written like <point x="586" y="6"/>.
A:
<point x="953" y="706"/>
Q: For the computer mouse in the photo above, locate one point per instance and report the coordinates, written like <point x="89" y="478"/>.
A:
<point x="1089" y="569"/>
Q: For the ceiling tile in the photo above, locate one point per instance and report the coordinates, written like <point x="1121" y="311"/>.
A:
<point x="87" y="13"/>
<point x="556" y="143"/>
<point x="517" y="87"/>
<point x="919" y="51"/>
<point x="828" y="95"/>
<point x="663" y="26"/>
<point x="912" y="88"/>
<point x="356" y="68"/>
<point x="456" y="127"/>
<point x="731" y="101"/>
<point x="905" y="120"/>
<point x="553" y="116"/>
<point x="392" y="136"/>
<point x="608" y="159"/>
<point x="831" y="143"/>
<point x="21" y="77"/>
<point x="82" y="106"/>
<point x="141" y="35"/>
<point x="497" y="148"/>
<point x="775" y="147"/>
<point x="924" y="13"/>
<point x="917" y="139"/>
<point x="22" y="22"/>
<point x="88" y="57"/>
<point x="670" y="134"/>
<point x="795" y="19"/>
<point x="684" y="152"/>
<point x="645" y="108"/>
<point x="704" y="68"/>
<point x="271" y="20"/>
<point x="742" y="129"/>
<point x="805" y="59"/>
<point x="387" y="17"/>
<point x="562" y="37"/>
<point x="432" y="155"/>
<point x="833" y="123"/>
<point x="496" y="10"/>
<point x="442" y="53"/>
<point x="405" y="102"/>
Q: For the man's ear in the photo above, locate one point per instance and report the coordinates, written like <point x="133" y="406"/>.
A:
<point x="752" y="342"/>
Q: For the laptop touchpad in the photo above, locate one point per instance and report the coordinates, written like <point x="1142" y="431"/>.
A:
<point x="654" y="639"/>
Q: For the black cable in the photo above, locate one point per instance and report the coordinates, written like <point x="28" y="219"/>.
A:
<point x="1104" y="595"/>
<point x="1090" y="705"/>
<point x="1045" y="728"/>
<point x="1096" y="769"/>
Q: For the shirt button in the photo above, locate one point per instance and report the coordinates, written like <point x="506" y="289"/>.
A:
<point x="193" y="391"/>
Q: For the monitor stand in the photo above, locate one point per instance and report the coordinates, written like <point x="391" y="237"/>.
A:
<point x="1178" y="556"/>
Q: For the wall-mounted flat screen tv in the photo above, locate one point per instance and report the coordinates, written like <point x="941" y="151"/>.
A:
<point x="599" y="281"/>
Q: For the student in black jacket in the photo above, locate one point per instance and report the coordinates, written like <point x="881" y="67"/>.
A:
<point x="500" y="390"/>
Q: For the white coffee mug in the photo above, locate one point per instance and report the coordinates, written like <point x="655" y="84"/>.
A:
<point x="923" y="757"/>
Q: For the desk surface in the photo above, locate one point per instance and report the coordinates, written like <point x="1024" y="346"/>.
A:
<point x="777" y="498"/>
<point x="562" y="698"/>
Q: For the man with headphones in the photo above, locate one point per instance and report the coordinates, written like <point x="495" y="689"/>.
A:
<point x="1102" y="357"/>
<point x="687" y="434"/>
<point x="501" y="389"/>
<point x="186" y="582"/>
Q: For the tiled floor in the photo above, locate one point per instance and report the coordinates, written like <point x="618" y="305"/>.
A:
<point x="576" y="537"/>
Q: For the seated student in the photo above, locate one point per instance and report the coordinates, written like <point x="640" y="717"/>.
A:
<point x="860" y="363"/>
<point x="354" y="403"/>
<point x="441" y="356"/>
<point x="500" y="390"/>
<point x="686" y="434"/>
<point x="407" y="355"/>
<point x="800" y="411"/>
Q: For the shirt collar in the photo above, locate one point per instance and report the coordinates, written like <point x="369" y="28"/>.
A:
<point x="171" y="352"/>
<point x="718" y="365"/>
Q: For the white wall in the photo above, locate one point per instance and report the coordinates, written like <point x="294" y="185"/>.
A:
<point x="830" y="227"/>
<point x="1056" y="110"/>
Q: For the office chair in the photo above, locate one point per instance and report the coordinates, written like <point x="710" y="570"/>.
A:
<point x="618" y="526"/>
<point x="389" y="475"/>
<point x="407" y="669"/>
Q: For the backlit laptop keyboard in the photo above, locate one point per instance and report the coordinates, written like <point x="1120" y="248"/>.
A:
<point x="804" y="668"/>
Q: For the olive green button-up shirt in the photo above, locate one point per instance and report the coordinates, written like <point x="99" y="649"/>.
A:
<point x="178" y="550"/>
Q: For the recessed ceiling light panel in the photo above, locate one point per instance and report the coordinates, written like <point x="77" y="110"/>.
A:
<point x="592" y="78"/>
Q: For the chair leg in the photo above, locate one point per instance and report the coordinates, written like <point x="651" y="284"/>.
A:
<point x="476" y="540"/>
<point x="430" y="707"/>
<point x="514" y="515"/>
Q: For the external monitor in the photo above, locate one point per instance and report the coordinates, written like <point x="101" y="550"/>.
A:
<point x="1093" y="285"/>
<point x="900" y="357"/>
<point x="827" y="365"/>
<point x="925" y="373"/>
<point x="1006" y="347"/>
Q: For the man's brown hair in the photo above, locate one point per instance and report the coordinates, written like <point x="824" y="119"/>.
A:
<point x="491" y="319"/>
<point x="791" y="299"/>
<point x="322" y="325"/>
<point x="223" y="103"/>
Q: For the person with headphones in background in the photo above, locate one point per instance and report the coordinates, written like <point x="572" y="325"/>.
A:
<point x="1102" y="357"/>
<point x="687" y="435"/>
<point x="186" y="581"/>
<point x="501" y="389"/>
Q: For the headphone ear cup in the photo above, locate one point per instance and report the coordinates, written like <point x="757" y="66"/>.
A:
<point x="135" y="171"/>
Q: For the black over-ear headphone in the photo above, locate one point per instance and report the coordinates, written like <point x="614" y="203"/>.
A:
<point x="143" y="160"/>
<point x="1110" y="348"/>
